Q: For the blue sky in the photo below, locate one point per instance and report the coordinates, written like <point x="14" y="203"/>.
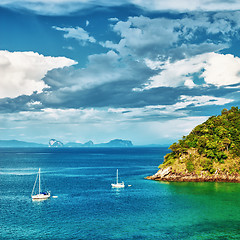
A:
<point x="146" y="71"/>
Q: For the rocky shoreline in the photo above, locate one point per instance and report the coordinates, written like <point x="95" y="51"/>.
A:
<point x="167" y="175"/>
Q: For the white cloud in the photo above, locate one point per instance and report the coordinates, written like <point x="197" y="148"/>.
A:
<point x="178" y="109"/>
<point x="34" y="105"/>
<point x="77" y="33"/>
<point x="114" y="19"/>
<point x="66" y="7"/>
<point x="22" y="72"/>
<point x="175" y="74"/>
<point x="158" y="38"/>
<point x="118" y="115"/>
<point x="101" y="68"/>
<point x="204" y="100"/>
<point x="142" y="36"/>
<point x="222" y="70"/>
<point x="216" y="69"/>
<point x="188" y="5"/>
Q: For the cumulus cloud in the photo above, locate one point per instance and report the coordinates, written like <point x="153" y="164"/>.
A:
<point x="77" y="33"/>
<point x="135" y="36"/>
<point x="22" y="72"/>
<point x="66" y="7"/>
<point x="189" y="5"/>
<point x="164" y="38"/>
<point x="222" y="70"/>
<point x="175" y="74"/>
<point x="215" y="69"/>
<point x="96" y="73"/>
<point x="102" y="69"/>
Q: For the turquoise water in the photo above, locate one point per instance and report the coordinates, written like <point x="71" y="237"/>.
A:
<point x="88" y="208"/>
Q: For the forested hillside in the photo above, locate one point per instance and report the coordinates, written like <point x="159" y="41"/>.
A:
<point x="212" y="147"/>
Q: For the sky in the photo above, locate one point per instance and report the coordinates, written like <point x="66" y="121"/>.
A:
<point x="145" y="71"/>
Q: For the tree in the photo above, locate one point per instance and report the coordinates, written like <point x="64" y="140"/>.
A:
<point x="226" y="143"/>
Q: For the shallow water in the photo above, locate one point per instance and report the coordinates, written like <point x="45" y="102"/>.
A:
<point x="88" y="208"/>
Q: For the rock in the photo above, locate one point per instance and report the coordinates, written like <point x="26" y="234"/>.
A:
<point x="161" y="173"/>
<point x="167" y="175"/>
<point x="88" y="144"/>
<point x="55" y="143"/>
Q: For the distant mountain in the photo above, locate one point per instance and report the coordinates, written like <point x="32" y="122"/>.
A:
<point x="56" y="143"/>
<point x="112" y="143"/>
<point x="116" y="143"/>
<point x="16" y="143"/>
<point x="74" y="144"/>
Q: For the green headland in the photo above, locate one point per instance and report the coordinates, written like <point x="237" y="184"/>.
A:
<point x="211" y="152"/>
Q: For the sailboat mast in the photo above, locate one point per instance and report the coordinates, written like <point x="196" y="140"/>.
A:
<point x="39" y="182"/>
<point x="117" y="176"/>
<point x="34" y="185"/>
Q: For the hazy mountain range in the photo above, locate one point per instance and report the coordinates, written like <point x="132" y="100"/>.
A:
<point x="56" y="143"/>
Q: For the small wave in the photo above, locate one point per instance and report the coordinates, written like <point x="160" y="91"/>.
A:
<point x="16" y="171"/>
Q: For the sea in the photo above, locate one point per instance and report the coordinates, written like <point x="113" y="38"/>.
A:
<point x="87" y="207"/>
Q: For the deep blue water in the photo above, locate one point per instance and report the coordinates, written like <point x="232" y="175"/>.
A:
<point x="88" y="208"/>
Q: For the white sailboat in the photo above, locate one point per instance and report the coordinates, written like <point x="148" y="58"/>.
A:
<point x="40" y="195"/>
<point x="117" y="184"/>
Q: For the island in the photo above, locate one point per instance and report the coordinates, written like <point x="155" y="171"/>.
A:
<point x="210" y="153"/>
<point x="112" y="143"/>
<point x="55" y="143"/>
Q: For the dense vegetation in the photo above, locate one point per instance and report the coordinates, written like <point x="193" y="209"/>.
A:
<point x="211" y="147"/>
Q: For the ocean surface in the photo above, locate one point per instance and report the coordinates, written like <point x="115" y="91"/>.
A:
<point x="88" y="207"/>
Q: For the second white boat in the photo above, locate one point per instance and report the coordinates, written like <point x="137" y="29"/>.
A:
<point x="40" y="195"/>
<point x="117" y="184"/>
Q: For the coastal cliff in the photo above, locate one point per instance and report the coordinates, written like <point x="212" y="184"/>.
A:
<point x="210" y="153"/>
<point x="171" y="176"/>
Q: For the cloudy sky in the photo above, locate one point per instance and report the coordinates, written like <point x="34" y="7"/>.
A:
<point x="146" y="71"/>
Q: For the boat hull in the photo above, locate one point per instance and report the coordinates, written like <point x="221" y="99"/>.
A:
<point x="118" y="185"/>
<point x="41" y="196"/>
